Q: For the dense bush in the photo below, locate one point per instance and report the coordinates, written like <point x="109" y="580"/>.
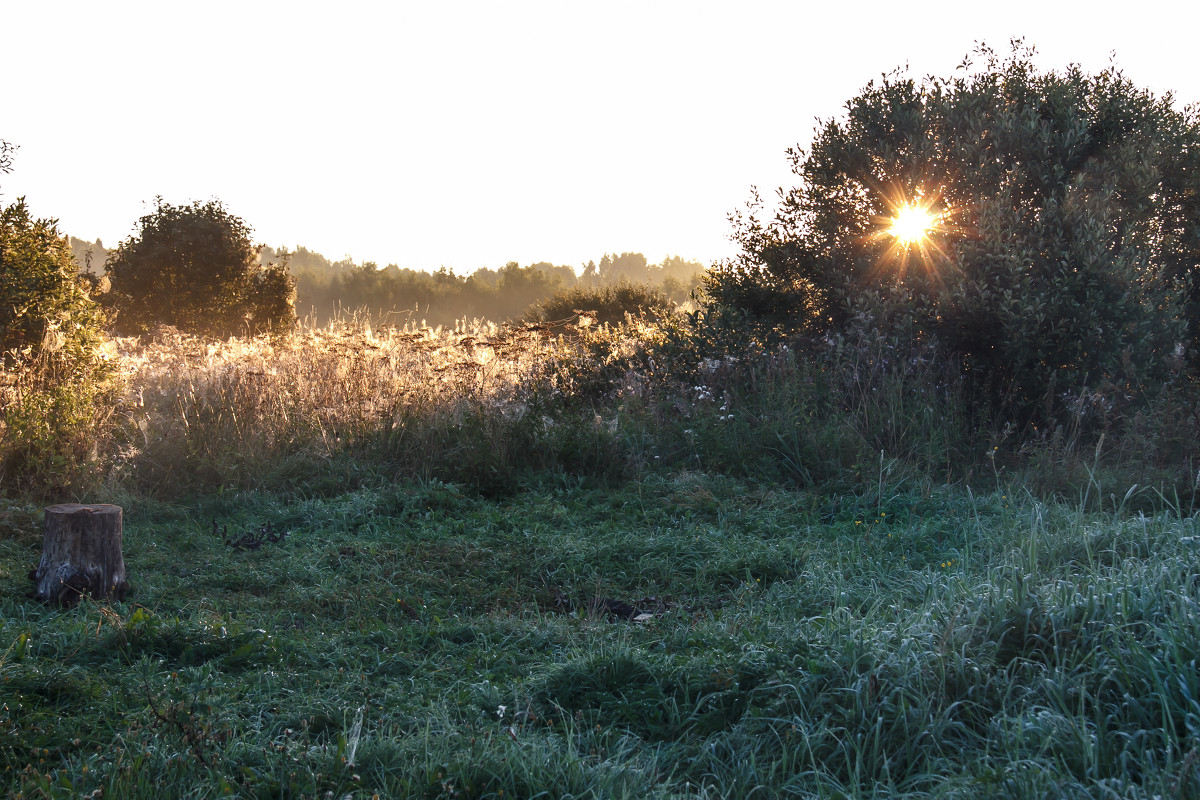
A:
<point x="43" y="303"/>
<point x="194" y="267"/>
<point x="1065" y="210"/>
<point x="603" y="305"/>
<point x="54" y="376"/>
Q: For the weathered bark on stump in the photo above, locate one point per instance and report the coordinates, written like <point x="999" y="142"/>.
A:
<point x="81" y="553"/>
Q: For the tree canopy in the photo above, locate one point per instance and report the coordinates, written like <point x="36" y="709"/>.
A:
<point x="44" y="305"/>
<point x="1063" y="247"/>
<point x="194" y="267"/>
<point x="55" y="375"/>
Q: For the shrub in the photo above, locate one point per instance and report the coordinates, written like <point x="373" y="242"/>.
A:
<point x="194" y="268"/>
<point x="56" y="380"/>
<point x="1063" y="233"/>
<point x="43" y="302"/>
<point x="606" y="305"/>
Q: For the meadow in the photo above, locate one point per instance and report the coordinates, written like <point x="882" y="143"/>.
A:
<point x="592" y="562"/>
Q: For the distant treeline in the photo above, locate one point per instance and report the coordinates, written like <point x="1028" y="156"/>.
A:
<point x="399" y="295"/>
<point x="394" y="294"/>
<point x="91" y="256"/>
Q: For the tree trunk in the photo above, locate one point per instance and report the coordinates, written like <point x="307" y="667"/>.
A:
<point x="81" y="553"/>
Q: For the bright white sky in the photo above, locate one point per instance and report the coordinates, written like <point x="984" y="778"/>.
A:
<point x="469" y="134"/>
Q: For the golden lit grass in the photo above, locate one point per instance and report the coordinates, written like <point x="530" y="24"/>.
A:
<point x="341" y="374"/>
<point x="326" y="408"/>
<point x="222" y="411"/>
<point x="55" y="409"/>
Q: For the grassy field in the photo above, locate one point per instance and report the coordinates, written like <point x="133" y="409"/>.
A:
<point x="489" y="579"/>
<point x="685" y="636"/>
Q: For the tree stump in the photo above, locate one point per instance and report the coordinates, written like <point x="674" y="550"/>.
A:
<point x="81" y="553"/>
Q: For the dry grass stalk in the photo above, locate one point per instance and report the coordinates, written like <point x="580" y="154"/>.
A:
<point x="233" y="404"/>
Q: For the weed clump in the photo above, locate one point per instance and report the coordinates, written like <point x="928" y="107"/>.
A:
<point x="250" y="540"/>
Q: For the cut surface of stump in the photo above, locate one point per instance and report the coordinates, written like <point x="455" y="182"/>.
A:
<point x="81" y="554"/>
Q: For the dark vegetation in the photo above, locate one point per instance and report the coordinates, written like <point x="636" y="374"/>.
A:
<point x="1067" y="255"/>
<point x="608" y="305"/>
<point x="327" y="290"/>
<point x="194" y="268"/>
<point x="868" y="521"/>
<point x="56" y="385"/>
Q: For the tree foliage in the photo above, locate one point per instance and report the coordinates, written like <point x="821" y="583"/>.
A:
<point x="194" y="267"/>
<point x="55" y="380"/>
<point x="45" y="310"/>
<point x="1066" y="242"/>
<point x="44" y="305"/>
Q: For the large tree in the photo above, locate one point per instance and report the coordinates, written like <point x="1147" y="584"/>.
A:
<point x="1063" y="236"/>
<point x="194" y="267"/>
<point x="54" y="375"/>
<point x="44" y="305"/>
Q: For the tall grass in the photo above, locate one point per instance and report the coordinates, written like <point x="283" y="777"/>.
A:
<point x="334" y="406"/>
<point x="329" y="408"/>
<point x="56" y="419"/>
<point x="330" y="405"/>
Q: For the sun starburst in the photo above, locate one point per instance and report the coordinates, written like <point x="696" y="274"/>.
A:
<point x="911" y="224"/>
<point x="912" y="230"/>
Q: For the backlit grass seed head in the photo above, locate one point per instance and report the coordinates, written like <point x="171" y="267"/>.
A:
<point x="316" y="388"/>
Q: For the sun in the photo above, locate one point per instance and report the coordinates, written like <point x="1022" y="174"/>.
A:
<point x="913" y="231"/>
<point x="911" y="224"/>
